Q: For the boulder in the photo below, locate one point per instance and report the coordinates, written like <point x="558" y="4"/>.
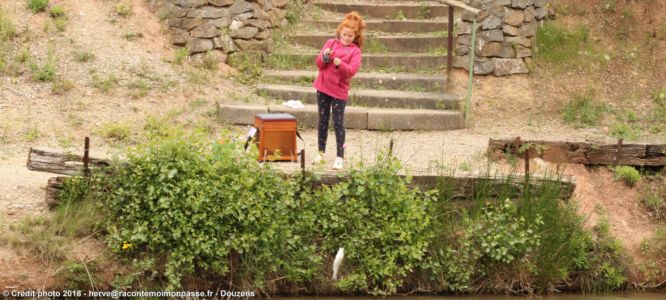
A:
<point x="482" y="65"/>
<point x="245" y="33"/>
<point x="264" y="34"/>
<point x="191" y="23"/>
<point x="259" y="13"/>
<point x="190" y="3"/>
<point x="541" y="13"/>
<point x="265" y="45"/>
<point x="196" y="45"/>
<point x="522" y="3"/>
<point x="221" y="3"/>
<point x="178" y="39"/>
<point x="504" y="66"/>
<point x="221" y="23"/>
<point x="514" y="17"/>
<point x="491" y="22"/>
<point x="169" y="10"/>
<point x="240" y="7"/>
<point x="495" y="35"/>
<point x="174" y="22"/>
<point x="244" y="16"/>
<point x="540" y="3"/>
<point x="523" y="51"/>
<point x="529" y="29"/>
<point x="519" y="40"/>
<point x="510" y="30"/>
<point x="226" y="43"/>
<point x="210" y="12"/>
<point x="280" y="3"/>
<point x="206" y="30"/>
<point x="530" y="14"/>
<point x="495" y="49"/>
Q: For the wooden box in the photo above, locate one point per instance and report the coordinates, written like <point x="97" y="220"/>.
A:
<point x="276" y="132"/>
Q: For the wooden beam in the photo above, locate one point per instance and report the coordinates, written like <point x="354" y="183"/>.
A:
<point x="461" y="5"/>
<point x="61" y="162"/>
<point x="586" y="153"/>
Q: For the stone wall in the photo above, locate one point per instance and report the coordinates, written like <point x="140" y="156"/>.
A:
<point x="221" y="25"/>
<point x="506" y="32"/>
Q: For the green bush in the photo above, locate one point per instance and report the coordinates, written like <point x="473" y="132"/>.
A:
<point x="556" y="44"/>
<point x="36" y="6"/>
<point x="628" y="174"/>
<point x="57" y="12"/>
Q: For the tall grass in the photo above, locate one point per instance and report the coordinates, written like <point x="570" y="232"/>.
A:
<point x="559" y="45"/>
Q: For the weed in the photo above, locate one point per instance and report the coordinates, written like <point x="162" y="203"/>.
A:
<point x="399" y="15"/>
<point x="61" y="86"/>
<point x="288" y="61"/>
<point x="248" y="65"/>
<point x="424" y="11"/>
<point x="60" y="23"/>
<point x="558" y="45"/>
<point x="24" y="56"/>
<point x="180" y="55"/>
<point x="74" y="120"/>
<point x="118" y="131"/>
<point x="32" y="134"/>
<point x="7" y="28"/>
<point x="36" y="6"/>
<point x="374" y="45"/>
<point x="57" y="11"/>
<point x="138" y="89"/>
<point x="132" y="36"/>
<point x="621" y="130"/>
<point x="628" y="174"/>
<point x="123" y="10"/>
<point x="198" y="102"/>
<point x="48" y="71"/>
<point x="83" y="56"/>
<point x="64" y="140"/>
<point x="582" y="110"/>
<point x="211" y="61"/>
<point x="294" y="12"/>
<point x="197" y="76"/>
<point x="105" y="84"/>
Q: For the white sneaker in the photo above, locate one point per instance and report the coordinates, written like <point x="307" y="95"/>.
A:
<point x="319" y="159"/>
<point x="339" y="163"/>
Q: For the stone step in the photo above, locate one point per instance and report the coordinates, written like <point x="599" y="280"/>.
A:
<point x="355" y="117"/>
<point x="393" y="81"/>
<point x="395" y="62"/>
<point x="409" y="10"/>
<point x="367" y="98"/>
<point x="386" y="25"/>
<point x="383" y="43"/>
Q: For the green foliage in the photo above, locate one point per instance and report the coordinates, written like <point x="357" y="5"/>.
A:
<point x="57" y="11"/>
<point x="83" y="56"/>
<point x="424" y="11"/>
<point x="118" y="131"/>
<point x="556" y="44"/>
<point x="399" y="15"/>
<point x="248" y="65"/>
<point x="47" y="72"/>
<point x="61" y="86"/>
<point x="628" y="174"/>
<point x="132" y="36"/>
<point x="583" y="111"/>
<point x="124" y="10"/>
<point x="7" y="28"/>
<point x="36" y="6"/>
<point x="138" y="88"/>
<point x="105" y="84"/>
<point x="654" y="196"/>
<point x="294" y="12"/>
<point x="180" y="55"/>
<point x="501" y="236"/>
<point x="79" y="275"/>
<point x="373" y="45"/>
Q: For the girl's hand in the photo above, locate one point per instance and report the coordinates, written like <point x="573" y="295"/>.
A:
<point x="337" y="61"/>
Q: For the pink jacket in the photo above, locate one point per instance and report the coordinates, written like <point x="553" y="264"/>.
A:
<point x="334" y="81"/>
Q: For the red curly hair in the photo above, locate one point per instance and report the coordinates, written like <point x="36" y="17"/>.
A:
<point x="353" y="21"/>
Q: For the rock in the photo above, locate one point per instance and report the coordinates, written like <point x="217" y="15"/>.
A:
<point x="265" y="45"/>
<point x="540" y="3"/>
<point x="529" y="29"/>
<point x="262" y="35"/>
<point x="495" y="35"/>
<point x="514" y="17"/>
<point x="523" y="51"/>
<point x="210" y="12"/>
<point x="495" y="49"/>
<point x="464" y="39"/>
<point x="179" y="39"/>
<point x="497" y="11"/>
<point x="174" y="22"/>
<point x="261" y="24"/>
<point x="190" y="3"/>
<point x="482" y="65"/>
<point x="154" y="5"/>
<point x="259" y="13"/>
<point x="221" y="23"/>
<point x="530" y="13"/>
<point x="510" y="30"/>
<point x="206" y="30"/>
<point x="509" y="66"/>
<point x="240" y="7"/>
<point x="464" y="28"/>
<point x="491" y="22"/>
<point x="168" y="10"/>
<point x="191" y="23"/>
<point x="244" y="16"/>
<point x="199" y="45"/>
<point x="462" y="50"/>
<point x="276" y="17"/>
<point x="220" y="3"/>
<point x="280" y="3"/>
<point x="522" y="3"/>
<point x="235" y="25"/>
<point x="540" y="13"/>
<point x="245" y="33"/>
<point x="519" y="40"/>
<point x="226" y="43"/>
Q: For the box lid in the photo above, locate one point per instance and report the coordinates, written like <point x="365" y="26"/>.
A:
<point x="275" y="117"/>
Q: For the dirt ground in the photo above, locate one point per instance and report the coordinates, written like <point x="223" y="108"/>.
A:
<point x="32" y="115"/>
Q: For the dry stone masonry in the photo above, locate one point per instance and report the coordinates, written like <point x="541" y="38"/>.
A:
<point x="506" y="31"/>
<point x="221" y="25"/>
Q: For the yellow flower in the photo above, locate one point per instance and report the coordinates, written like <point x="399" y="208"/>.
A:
<point x="127" y="246"/>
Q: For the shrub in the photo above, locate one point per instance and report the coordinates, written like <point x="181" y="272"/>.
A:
<point x="123" y="10"/>
<point x="556" y="44"/>
<point x="105" y="84"/>
<point x="628" y="174"/>
<point x="36" y="6"/>
<point x="115" y="131"/>
<point x="57" y="12"/>
<point x="180" y="55"/>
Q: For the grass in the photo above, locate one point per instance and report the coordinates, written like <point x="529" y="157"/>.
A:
<point x="211" y="61"/>
<point x="248" y="65"/>
<point x="123" y="10"/>
<point x="561" y="46"/>
<point x="7" y="28"/>
<point x="629" y="175"/>
<point x="138" y="88"/>
<point x="32" y="134"/>
<point x="373" y="45"/>
<point x="132" y="36"/>
<point x="105" y="84"/>
<point x="61" y="86"/>
<point x="180" y="55"/>
<point x="47" y="72"/>
<point x="654" y="195"/>
<point x="83" y="56"/>
<point x="115" y="131"/>
<point x="36" y="6"/>
<point x="583" y="111"/>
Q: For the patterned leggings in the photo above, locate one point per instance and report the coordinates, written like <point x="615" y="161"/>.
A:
<point x="325" y="102"/>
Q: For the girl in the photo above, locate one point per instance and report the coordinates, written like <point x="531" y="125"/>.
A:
<point x="338" y="62"/>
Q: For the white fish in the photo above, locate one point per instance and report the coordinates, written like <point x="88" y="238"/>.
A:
<point x="337" y="262"/>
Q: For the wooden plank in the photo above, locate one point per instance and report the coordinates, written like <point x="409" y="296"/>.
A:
<point x="586" y="153"/>
<point x="461" y="5"/>
<point x="53" y="189"/>
<point x="61" y="162"/>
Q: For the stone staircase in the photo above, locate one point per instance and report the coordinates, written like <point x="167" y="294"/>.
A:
<point x="401" y="84"/>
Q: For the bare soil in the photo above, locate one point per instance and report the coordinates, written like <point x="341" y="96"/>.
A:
<point x="524" y="105"/>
